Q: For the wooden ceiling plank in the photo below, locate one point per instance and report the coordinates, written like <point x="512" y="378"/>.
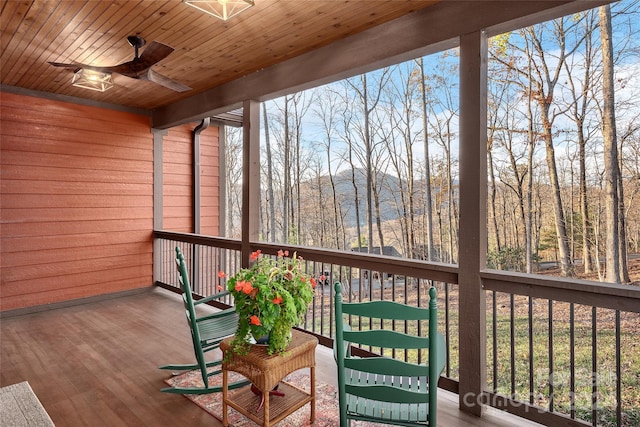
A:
<point x="217" y="35"/>
<point x="35" y="16"/>
<point x="43" y="40"/>
<point x="310" y="19"/>
<point x="307" y="35"/>
<point x="108" y="42"/>
<point x="11" y="17"/>
<point x="280" y="12"/>
<point x="150" y="23"/>
<point x="115" y="49"/>
<point x="143" y="15"/>
<point x="155" y="30"/>
<point x="309" y="25"/>
<point x="245" y="34"/>
<point x="66" y="39"/>
<point x="84" y="34"/>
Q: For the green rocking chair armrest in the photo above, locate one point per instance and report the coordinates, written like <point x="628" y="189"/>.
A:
<point x="211" y="298"/>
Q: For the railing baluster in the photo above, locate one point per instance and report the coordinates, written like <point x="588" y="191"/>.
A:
<point x="512" y="344"/>
<point x="494" y="340"/>
<point x="419" y="304"/>
<point x="531" y="365"/>
<point x="551" y="368"/>
<point x="572" y="362"/>
<point x="618" y="372"/>
<point x="594" y="368"/>
<point x="447" y="326"/>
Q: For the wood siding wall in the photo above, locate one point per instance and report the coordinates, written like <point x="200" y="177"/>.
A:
<point x="177" y="155"/>
<point x="76" y="199"/>
<point x="210" y="182"/>
<point x="178" y="180"/>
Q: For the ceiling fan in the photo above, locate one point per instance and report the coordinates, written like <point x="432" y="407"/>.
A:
<point x="140" y="66"/>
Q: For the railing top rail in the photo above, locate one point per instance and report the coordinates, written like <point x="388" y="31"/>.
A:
<point x="200" y="239"/>
<point x="606" y="295"/>
<point x="394" y="265"/>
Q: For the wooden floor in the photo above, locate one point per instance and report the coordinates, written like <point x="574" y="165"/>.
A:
<point x="96" y="364"/>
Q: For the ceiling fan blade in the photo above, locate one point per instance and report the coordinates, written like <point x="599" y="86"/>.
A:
<point x="88" y="67"/>
<point x="61" y="64"/>
<point x="154" y="77"/>
<point x="137" y="68"/>
<point x="154" y="53"/>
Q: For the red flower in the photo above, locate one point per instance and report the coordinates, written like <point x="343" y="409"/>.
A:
<point x="323" y="278"/>
<point x="219" y="288"/>
<point x="255" y="255"/>
<point x="222" y="274"/>
<point x="280" y="253"/>
<point x="247" y="288"/>
<point x="240" y="285"/>
<point x="286" y="253"/>
<point x="277" y="300"/>
<point x="255" y="320"/>
<point x="313" y="282"/>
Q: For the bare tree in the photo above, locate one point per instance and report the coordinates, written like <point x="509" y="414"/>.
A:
<point x="507" y="92"/>
<point x="428" y="209"/>
<point x="233" y="152"/>
<point x="493" y="113"/>
<point x="271" y="232"/>
<point x="578" y="112"/>
<point x="443" y="131"/>
<point x="301" y="104"/>
<point x="610" y="149"/>
<point x="368" y="103"/>
<point x="401" y="115"/>
<point x="327" y="111"/>
<point x="544" y="80"/>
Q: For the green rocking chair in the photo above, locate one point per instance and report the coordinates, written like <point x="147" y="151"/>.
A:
<point x="206" y="332"/>
<point x="383" y="389"/>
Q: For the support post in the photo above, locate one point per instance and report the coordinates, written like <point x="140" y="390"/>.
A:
<point x="158" y="136"/>
<point x="250" y="177"/>
<point x="222" y="180"/>
<point x="473" y="220"/>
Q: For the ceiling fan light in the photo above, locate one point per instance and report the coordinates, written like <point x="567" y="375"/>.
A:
<point x="221" y="9"/>
<point x="91" y="79"/>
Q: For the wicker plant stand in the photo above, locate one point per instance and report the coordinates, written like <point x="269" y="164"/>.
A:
<point x="265" y="372"/>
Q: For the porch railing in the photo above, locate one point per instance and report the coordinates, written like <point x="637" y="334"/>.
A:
<point x="559" y="353"/>
<point x="563" y="350"/>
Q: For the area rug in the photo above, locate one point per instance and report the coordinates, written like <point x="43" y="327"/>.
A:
<point x="19" y="406"/>
<point x="327" y="413"/>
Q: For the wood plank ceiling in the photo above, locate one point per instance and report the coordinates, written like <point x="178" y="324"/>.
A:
<point x="208" y="52"/>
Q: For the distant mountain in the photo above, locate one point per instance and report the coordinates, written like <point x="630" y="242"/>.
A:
<point x="389" y="190"/>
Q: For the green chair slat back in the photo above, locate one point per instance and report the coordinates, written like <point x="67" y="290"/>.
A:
<point x="383" y="389"/>
<point x="207" y="332"/>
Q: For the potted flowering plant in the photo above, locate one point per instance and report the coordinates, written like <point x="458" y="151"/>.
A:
<point x="271" y="297"/>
